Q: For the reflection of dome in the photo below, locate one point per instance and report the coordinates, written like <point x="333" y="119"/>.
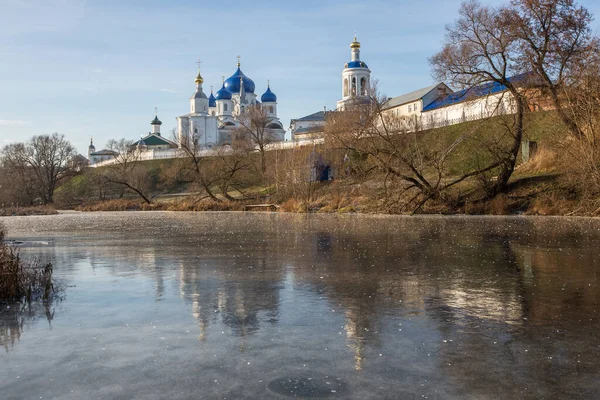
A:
<point x="269" y="96"/>
<point x="233" y="82"/>
<point x="212" y="101"/>
<point x="223" y="93"/>
<point x="356" y="64"/>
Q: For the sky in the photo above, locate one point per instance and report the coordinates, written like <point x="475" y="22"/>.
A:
<point x="90" y="68"/>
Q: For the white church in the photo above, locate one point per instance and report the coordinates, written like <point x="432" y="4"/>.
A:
<point x="213" y="120"/>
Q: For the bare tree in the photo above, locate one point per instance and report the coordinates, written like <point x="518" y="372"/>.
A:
<point x="255" y="127"/>
<point x="227" y="166"/>
<point x="413" y="169"/>
<point x="42" y="161"/>
<point x="194" y="167"/>
<point x="479" y="49"/>
<point x="127" y="170"/>
<point x="554" y="39"/>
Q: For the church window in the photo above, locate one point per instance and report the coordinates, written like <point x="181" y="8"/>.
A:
<point x="363" y="86"/>
<point x="212" y="113"/>
<point x="409" y="108"/>
<point x="346" y="87"/>
<point x="195" y="130"/>
<point x="225" y="107"/>
<point x="271" y="109"/>
<point x="353" y="86"/>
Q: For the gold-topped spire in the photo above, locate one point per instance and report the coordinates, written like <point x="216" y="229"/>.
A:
<point x="355" y="44"/>
<point x="239" y="63"/>
<point x="199" y="78"/>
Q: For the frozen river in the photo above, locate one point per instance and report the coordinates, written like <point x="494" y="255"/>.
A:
<point x="275" y="306"/>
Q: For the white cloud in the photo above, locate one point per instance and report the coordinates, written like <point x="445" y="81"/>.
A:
<point x="14" y="122"/>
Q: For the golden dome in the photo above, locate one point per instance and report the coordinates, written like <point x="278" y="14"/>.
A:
<point x="199" y="78"/>
<point x="355" y="44"/>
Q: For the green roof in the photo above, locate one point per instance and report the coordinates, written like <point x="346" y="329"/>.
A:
<point x="154" y="140"/>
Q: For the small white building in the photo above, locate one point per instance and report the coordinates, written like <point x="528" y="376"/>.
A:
<point x="412" y="104"/>
<point x="95" y="157"/>
<point x="309" y="127"/>
<point x="154" y="140"/>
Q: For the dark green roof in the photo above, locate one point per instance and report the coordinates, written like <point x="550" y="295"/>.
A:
<point x="156" y="121"/>
<point x="153" y="140"/>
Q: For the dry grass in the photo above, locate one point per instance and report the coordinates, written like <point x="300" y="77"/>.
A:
<point x="20" y="280"/>
<point x="186" y="204"/>
<point x="19" y="211"/>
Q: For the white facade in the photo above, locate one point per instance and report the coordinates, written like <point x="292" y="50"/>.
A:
<point x="95" y="157"/>
<point x="482" y="107"/>
<point x="212" y="120"/>
<point x="356" y="79"/>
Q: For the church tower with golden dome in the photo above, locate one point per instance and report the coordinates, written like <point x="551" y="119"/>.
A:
<point x="356" y="79"/>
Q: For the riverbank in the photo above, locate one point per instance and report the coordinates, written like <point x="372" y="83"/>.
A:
<point x="23" y="211"/>
<point x="528" y="194"/>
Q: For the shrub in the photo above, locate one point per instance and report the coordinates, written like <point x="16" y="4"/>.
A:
<point x="20" y="280"/>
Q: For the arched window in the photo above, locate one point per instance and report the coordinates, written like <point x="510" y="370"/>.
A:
<point x="212" y="113"/>
<point x="224" y="107"/>
<point x="363" y="86"/>
<point x="271" y="109"/>
<point x="345" y="87"/>
<point x="353" y="86"/>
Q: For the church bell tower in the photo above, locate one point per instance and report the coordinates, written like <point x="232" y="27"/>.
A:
<point x="356" y="79"/>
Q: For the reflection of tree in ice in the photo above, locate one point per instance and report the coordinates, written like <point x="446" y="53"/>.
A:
<point x="15" y="317"/>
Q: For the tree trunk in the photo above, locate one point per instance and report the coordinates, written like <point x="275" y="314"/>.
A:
<point x="507" y="165"/>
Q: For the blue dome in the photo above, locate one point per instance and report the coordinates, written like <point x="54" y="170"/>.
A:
<point x="268" y="96"/>
<point x="212" y="102"/>
<point x="356" y="64"/>
<point x="223" y="94"/>
<point x="233" y="83"/>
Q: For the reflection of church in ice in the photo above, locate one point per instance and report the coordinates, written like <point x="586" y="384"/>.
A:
<point x="213" y="119"/>
<point x="241" y="306"/>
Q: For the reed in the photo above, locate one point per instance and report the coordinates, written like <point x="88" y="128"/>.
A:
<point x="21" y="280"/>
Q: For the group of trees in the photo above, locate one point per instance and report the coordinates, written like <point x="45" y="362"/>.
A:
<point x="542" y="48"/>
<point x="32" y="170"/>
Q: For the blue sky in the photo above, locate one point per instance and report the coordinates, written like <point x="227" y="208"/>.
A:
<point x="98" y="68"/>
